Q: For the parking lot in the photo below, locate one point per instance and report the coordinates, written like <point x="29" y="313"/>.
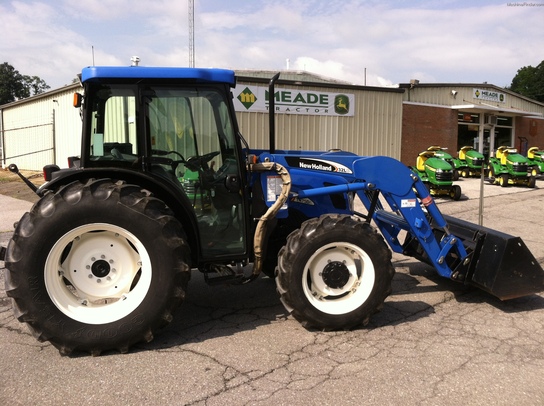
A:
<point x="435" y="342"/>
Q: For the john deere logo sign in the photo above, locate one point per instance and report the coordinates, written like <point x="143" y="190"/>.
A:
<point x="341" y="104"/>
<point x="291" y="101"/>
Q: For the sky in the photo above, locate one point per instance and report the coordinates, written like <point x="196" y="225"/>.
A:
<point x="374" y="42"/>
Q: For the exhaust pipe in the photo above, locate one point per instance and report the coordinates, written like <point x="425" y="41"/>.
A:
<point x="272" y="112"/>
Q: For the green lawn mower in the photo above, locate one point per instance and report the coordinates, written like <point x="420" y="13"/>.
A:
<point x="440" y="152"/>
<point x="510" y="168"/>
<point x="469" y="162"/>
<point x="437" y="174"/>
<point x="535" y="156"/>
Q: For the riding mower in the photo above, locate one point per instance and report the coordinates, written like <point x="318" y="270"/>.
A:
<point x="440" y="152"/>
<point x="469" y="163"/>
<point x="437" y="174"/>
<point x="510" y="168"/>
<point x="535" y="156"/>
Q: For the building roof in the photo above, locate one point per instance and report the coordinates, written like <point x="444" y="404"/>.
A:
<point x="415" y="83"/>
<point x="298" y="75"/>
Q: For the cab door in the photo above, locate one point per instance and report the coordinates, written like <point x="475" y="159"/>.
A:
<point x="193" y="128"/>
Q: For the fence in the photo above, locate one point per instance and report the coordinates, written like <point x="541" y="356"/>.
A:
<point x="28" y="146"/>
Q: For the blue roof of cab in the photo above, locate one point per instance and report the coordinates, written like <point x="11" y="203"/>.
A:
<point x="91" y="73"/>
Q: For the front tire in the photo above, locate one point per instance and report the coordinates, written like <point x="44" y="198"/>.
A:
<point x="455" y="192"/>
<point x="97" y="266"/>
<point x="503" y="180"/>
<point x="334" y="272"/>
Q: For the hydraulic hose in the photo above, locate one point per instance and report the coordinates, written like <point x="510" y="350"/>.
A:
<point x="258" y="240"/>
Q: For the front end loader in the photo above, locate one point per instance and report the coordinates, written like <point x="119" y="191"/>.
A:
<point x="104" y="257"/>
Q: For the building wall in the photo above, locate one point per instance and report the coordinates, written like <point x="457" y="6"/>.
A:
<point x="375" y="128"/>
<point x="382" y="125"/>
<point x="423" y="126"/>
<point x="441" y="94"/>
<point x="41" y="130"/>
<point x="532" y="129"/>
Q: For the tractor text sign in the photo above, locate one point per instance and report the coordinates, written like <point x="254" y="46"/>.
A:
<point x="293" y="101"/>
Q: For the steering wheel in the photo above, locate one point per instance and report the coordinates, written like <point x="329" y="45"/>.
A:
<point x="195" y="163"/>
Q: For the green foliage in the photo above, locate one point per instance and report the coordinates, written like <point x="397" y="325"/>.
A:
<point x="529" y="82"/>
<point x="14" y="86"/>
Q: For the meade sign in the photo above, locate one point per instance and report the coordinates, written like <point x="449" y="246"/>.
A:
<point x="290" y="101"/>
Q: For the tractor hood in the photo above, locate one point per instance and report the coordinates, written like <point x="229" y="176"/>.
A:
<point x="435" y="164"/>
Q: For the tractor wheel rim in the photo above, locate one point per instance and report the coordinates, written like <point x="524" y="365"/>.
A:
<point x="338" y="278"/>
<point x="97" y="273"/>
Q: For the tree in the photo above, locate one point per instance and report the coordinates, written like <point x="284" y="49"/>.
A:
<point x="14" y="86"/>
<point x="529" y="82"/>
<point x="34" y="85"/>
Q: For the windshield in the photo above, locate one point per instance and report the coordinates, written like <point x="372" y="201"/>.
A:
<point x="188" y="123"/>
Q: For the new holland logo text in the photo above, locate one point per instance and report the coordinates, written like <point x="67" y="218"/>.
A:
<point x="317" y="165"/>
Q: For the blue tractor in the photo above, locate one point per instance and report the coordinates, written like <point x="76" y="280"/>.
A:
<point x="166" y="185"/>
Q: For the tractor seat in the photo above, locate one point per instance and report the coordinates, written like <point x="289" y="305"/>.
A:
<point x="531" y="152"/>
<point x="463" y="153"/>
<point x="504" y="157"/>
<point x="420" y="163"/>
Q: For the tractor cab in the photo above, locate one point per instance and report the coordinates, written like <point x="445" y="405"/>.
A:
<point x="176" y="136"/>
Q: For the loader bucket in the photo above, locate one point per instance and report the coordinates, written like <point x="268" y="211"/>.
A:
<point x="501" y="264"/>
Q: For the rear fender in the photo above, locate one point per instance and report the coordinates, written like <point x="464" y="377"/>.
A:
<point x="162" y="189"/>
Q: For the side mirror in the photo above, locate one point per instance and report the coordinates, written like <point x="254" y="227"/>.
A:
<point x="78" y="100"/>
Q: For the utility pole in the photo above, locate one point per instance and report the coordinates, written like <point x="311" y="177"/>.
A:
<point x="191" y="33"/>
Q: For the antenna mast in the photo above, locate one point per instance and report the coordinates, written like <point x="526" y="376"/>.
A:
<point x="191" y="33"/>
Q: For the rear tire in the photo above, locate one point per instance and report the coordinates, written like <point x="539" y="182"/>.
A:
<point x="334" y="272"/>
<point x="97" y="266"/>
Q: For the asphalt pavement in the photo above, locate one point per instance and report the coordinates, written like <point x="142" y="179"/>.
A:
<point x="435" y="342"/>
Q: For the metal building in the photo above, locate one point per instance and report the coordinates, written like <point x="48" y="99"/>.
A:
<point x="372" y="126"/>
<point x="454" y="115"/>
<point x="321" y="114"/>
<point x="40" y="130"/>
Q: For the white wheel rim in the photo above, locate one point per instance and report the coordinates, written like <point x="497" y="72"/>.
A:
<point x="342" y="297"/>
<point x="104" y="275"/>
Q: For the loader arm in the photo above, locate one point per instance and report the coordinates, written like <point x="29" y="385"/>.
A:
<point x="493" y="261"/>
<point x="407" y="197"/>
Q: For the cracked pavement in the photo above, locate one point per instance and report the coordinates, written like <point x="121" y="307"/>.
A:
<point x="435" y="342"/>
